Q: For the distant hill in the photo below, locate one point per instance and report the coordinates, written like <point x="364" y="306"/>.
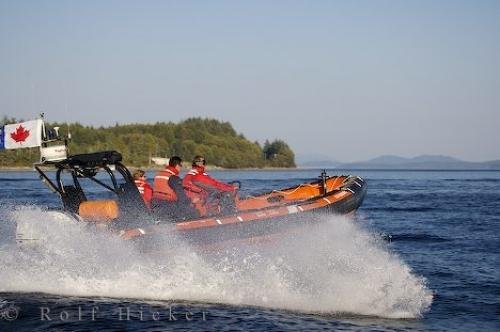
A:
<point x="423" y="162"/>
<point x="315" y="160"/>
<point x="494" y="164"/>
<point x="396" y="160"/>
<point x="319" y="164"/>
<point x="217" y="141"/>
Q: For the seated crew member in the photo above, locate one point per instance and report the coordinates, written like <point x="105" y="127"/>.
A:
<point x="143" y="186"/>
<point x="209" y="195"/>
<point x="169" y="198"/>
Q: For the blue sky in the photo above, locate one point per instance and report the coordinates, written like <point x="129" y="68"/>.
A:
<point x="348" y="80"/>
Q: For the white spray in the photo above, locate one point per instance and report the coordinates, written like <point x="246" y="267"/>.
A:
<point x="329" y="266"/>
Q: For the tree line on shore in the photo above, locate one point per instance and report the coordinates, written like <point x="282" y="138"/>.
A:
<point x="217" y="141"/>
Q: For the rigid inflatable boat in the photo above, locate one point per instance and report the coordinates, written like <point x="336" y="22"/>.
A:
<point x="125" y="213"/>
<point x="83" y="180"/>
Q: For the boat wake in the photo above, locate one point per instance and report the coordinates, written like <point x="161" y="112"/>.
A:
<point x="332" y="266"/>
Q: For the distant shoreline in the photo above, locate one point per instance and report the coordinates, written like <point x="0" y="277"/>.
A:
<point x="149" y="169"/>
<point x="15" y="168"/>
<point x="274" y="169"/>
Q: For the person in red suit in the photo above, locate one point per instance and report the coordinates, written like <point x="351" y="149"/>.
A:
<point x="143" y="186"/>
<point x="209" y="195"/>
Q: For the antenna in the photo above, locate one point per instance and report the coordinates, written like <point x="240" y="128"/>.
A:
<point x="44" y="134"/>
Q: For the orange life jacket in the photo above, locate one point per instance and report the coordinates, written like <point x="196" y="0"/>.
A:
<point x="145" y="190"/>
<point x="161" y="189"/>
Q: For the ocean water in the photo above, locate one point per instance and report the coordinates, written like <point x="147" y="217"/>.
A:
<point x="422" y="253"/>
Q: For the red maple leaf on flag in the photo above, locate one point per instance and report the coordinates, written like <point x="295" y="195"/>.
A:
<point x="20" y="135"/>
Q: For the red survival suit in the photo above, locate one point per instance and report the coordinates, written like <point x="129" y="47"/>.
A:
<point x="145" y="190"/>
<point x="198" y="186"/>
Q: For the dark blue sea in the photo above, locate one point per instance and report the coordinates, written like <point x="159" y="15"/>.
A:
<point x="421" y="254"/>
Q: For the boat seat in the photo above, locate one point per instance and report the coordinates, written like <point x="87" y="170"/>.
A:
<point x="94" y="159"/>
<point x="99" y="210"/>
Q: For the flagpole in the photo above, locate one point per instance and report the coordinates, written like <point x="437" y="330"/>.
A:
<point x="44" y="137"/>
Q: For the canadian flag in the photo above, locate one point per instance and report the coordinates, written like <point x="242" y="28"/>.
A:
<point x="21" y="135"/>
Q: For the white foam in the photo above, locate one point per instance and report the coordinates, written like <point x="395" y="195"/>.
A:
<point x="331" y="266"/>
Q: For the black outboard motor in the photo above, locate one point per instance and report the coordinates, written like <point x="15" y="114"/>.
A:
<point x="323" y="177"/>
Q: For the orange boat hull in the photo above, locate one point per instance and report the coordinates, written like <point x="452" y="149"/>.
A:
<point x="269" y="213"/>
